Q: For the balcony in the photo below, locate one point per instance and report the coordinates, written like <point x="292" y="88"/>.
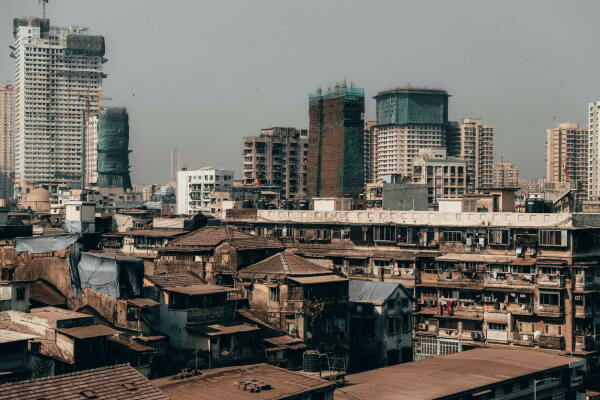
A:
<point x="460" y="334"/>
<point x="550" y="280"/>
<point x="584" y="311"/>
<point x="210" y="314"/>
<point x="523" y="339"/>
<point x="551" y="342"/>
<point x="585" y="342"/>
<point x="500" y="279"/>
<point x="586" y="281"/>
<point x="497" y="336"/>
<point x="220" y="358"/>
<point x="549" y="310"/>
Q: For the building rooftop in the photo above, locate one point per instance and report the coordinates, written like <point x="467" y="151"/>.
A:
<point x="87" y="332"/>
<point x="56" y="314"/>
<point x="364" y="291"/>
<point x="7" y="336"/>
<point x="117" y="382"/>
<point x="198" y="289"/>
<point x="221" y="384"/>
<point x="451" y="374"/>
<point x="285" y="264"/>
<point x="410" y="89"/>
<point x="427" y="218"/>
<point x="212" y="236"/>
<point x="154" y="233"/>
<point x="174" y="280"/>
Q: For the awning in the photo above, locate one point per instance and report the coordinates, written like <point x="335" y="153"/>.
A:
<point x="218" y="330"/>
<point x="310" y="280"/>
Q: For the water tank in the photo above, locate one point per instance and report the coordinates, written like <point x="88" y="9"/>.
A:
<point x="312" y="361"/>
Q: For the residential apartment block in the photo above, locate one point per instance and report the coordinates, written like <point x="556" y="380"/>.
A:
<point x="7" y="131"/>
<point x="408" y="119"/>
<point x="474" y="142"/>
<point x="195" y="186"/>
<point x="505" y="174"/>
<point x="58" y="80"/>
<point x="370" y="152"/>
<point x="335" y="143"/>
<point x="594" y="151"/>
<point x="567" y="154"/>
<point x="445" y="177"/>
<point x="277" y="158"/>
<point x="529" y="280"/>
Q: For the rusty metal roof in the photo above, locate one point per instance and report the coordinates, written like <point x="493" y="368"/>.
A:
<point x="222" y="329"/>
<point x="155" y="233"/>
<point x="198" y="289"/>
<point x="312" y="280"/>
<point x="143" y="302"/>
<point x="8" y="336"/>
<point x="117" y="382"/>
<point x="44" y="293"/>
<point x="86" y="332"/>
<point x="219" y="384"/>
<point x="433" y="378"/>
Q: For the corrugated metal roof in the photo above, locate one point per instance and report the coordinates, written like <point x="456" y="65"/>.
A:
<point x="371" y="291"/>
<point x="86" y="332"/>
<point x="311" y="280"/>
<point x="212" y="236"/>
<point x="173" y="280"/>
<point x="199" y="289"/>
<point x="7" y="336"/>
<point x="286" y="264"/>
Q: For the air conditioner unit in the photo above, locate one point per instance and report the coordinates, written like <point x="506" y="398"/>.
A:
<point x="488" y="299"/>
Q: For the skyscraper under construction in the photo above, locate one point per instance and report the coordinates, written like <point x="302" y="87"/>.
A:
<point x="335" y="142"/>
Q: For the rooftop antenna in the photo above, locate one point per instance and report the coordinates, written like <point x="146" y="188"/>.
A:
<point x="43" y="3"/>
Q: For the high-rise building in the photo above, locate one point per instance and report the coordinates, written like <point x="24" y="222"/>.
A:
<point x="370" y="152"/>
<point x="90" y="149"/>
<point x="474" y="142"/>
<point x="408" y="119"/>
<point x="444" y="176"/>
<point x="112" y="160"/>
<point x="58" y="84"/>
<point x="594" y="151"/>
<point x="195" y="186"/>
<point x="335" y="143"/>
<point x="567" y="154"/>
<point x="277" y="158"/>
<point x="505" y="174"/>
<point x="7" y="126"/>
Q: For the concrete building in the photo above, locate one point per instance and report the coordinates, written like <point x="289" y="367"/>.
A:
<point x="481" y="374"/>
<point x="445" y="177"/>
<point x="335" y="142"/>
<point x="474" y="142"/>
<point x="195" y="186"/>
<point x="58" y="81"/>
<point x="594" y="151"/>
<point x="567" y="154"/>
<point x="90" y="149"/>
<point x="7" y="132"/>
<point x="380" y="324"/>
<point x="370" y="152"/>
<point x="505" y="174"/>
<point x="478" y="277"/>
<point x="408" y="119"/>
<point x="277" y="158"/>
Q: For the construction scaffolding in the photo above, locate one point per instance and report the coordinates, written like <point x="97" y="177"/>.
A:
<point x="113" y="148"/>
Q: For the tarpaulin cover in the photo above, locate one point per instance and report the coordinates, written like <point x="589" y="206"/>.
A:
<point x="116" y="277"/>
<point x="45" y="244"/>
<point x="368" y="291"/>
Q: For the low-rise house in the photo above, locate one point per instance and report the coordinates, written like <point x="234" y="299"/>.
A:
<point x="380" y="324"/>
<point x="215" y="253"/>
<point x="199" y="317"/>
<point x="15" y="360"/>
<point x="71" y="340"/>
<point x="492" y="373"/>
<point x="14" y="295"/>
<point x="299" y="297"/>
<point x="258" y="381"/>
<point x="144" y="242"/>
<point x="121" y="382"/>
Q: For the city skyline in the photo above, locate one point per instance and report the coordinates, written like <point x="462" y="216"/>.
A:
<point x="517" y="83"/>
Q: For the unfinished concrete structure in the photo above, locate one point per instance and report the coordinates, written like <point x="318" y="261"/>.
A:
<point x="335" y="142"/>
<point x="277" y="158"/>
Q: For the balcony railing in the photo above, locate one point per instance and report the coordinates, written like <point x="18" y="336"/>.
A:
<point x="551" y="342"/>
<point x="550" y="280"/>
<point x="523" y="339"/>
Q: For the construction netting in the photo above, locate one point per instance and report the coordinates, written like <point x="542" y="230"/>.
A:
<point x="85" y="45"/>
<point x="113" y="148"/>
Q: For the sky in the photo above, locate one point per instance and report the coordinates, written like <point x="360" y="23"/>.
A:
<point x="200" y="75"/>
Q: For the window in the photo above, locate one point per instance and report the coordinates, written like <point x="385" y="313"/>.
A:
<point x="20" y="293"/>
<point x="452" y="236"/>
<point x="549" y="298"/>
<point x="508" y="388"/>
<point x="499" y="237"/>
<point x="384" y="233"/>
<point x="274" y="294"/>
<point x="494" y="326"/>
<point x="524" y="383"/>
<point x="553" y="238"/>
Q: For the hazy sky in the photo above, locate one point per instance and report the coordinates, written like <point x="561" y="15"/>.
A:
<point x="200" y="75"/>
